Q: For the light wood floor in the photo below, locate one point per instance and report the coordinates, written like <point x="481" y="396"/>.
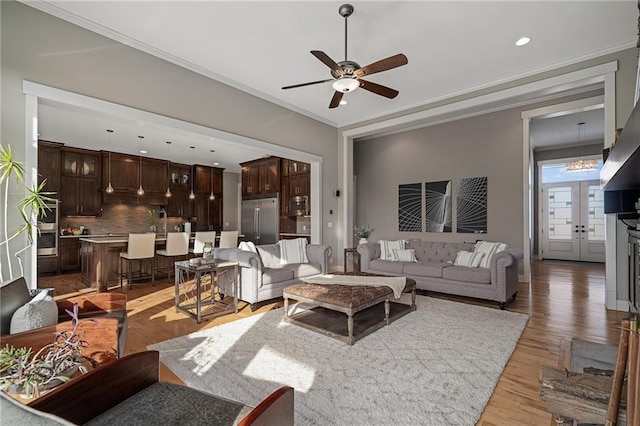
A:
<point x="564" y="300"/>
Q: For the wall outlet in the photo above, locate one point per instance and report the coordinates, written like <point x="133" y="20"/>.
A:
<point x="329" y="224"/>
<point x="226" y="224"/>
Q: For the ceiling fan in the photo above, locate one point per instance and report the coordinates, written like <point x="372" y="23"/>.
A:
<point x="347" y="75"/>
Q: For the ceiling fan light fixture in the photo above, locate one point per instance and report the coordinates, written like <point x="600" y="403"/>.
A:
<point x="345" y="84"/>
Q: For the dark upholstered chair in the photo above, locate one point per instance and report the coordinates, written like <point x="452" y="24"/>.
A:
<point x="128" y="391"/>
<point x="93" y="305"/>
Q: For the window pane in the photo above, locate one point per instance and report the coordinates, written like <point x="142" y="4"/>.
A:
<point x="560" y="213"/>
<point x="595" y="216"/>
<point x="558" y="173"/>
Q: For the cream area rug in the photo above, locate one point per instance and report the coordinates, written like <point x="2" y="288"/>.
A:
<point x="435" y="366"/>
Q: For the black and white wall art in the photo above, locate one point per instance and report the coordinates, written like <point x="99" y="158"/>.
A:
<point x="471" y="205"/>
<point x="410" y="207"/>
<point x="438" y="206"/>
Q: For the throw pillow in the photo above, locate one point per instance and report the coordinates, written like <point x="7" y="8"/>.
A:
<point x="468" y="258"/>
<point x="293" y="251"/>
<point x="387" y="247"/>
<point x="41" y="311"/>
<point x="248" y="246"/>
<point x="407" y="255"/>
<point x="489" y="249"/>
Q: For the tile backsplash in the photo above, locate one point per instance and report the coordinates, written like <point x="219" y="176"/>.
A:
<point x="121" y="219"/>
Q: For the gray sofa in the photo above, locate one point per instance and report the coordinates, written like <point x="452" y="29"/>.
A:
<point x="263" y="278"/>
<point x="435" y="271"/>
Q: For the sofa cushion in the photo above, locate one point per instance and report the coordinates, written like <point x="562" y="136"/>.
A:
<point x="12" y="296"/>
<point x="489" y="249"/>
<point x="387" y="247"/>
<point x="302" y="270"/>
<point x="270" y="255"/>
<point x="468" y="258"/>
<point x="407" y="255"/>
<point x="466" y="274"/>
<point x="387" y="266"/>
<point x="435" y="251"/>
<point x="424" y="269"/>
<point x="41" y="311"/>
<point x="276" y="275"/>
<point x="293" y="251"/>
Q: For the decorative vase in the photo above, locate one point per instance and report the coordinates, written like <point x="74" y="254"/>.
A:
<point x="363" y="241"/>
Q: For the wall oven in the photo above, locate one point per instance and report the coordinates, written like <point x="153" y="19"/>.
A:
<point x="47" y="240"/>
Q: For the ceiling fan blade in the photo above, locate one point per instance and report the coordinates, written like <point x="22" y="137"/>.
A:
<point x="306" y="84"/>
<point x="325" y="59"/>
<point x="335" y="101"/>
<point x="379" y="89"/>
<point x="383" y="65"/>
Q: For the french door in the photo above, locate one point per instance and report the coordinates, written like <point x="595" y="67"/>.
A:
<point x="573" y="221"/>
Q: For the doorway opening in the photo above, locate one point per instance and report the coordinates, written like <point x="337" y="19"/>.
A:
<point x="571" y="214"/>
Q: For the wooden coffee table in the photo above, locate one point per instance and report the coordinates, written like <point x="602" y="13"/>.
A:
<point x="367" y="308"/>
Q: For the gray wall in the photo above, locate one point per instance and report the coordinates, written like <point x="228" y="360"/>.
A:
<point x="231" y="201"/>
<point x="43" y="49"/>
<point x="488" y="145"/>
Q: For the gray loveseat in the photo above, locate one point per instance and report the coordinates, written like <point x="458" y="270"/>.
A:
<point x="435" y="271"/>
<point x="263" y="278"/>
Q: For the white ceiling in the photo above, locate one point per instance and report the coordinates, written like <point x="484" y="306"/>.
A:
<point x="452" y="47"/>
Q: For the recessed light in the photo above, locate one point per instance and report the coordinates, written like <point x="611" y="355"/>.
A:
<point x="343" y="102"/>
<point x="216" y="164"/>
<point x="142" y="151"/>
<point x="522" y="41"/>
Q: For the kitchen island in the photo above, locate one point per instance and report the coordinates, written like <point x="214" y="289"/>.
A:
<point x="101" y="259"/>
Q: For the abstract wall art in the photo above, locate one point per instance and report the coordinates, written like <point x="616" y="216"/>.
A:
<point x="410" y="207"/>
<point x="438" y="206"/>
<point x="471" y="209"/>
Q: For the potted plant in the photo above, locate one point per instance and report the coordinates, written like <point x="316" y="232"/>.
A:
<point x="30" y="207"/>
<point x="28" y="374"/>
<point x="152" y="220"/>
<point x="363" y="232"/>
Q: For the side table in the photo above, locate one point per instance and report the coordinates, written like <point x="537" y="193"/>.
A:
<point x="351" y="260"/>
<point x="187" y="290"/>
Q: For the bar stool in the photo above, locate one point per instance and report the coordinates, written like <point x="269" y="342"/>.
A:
<point x="177" y="245"/>
<point x="228" y="239"/>
<point x="139" y="247"/>
<point x="202" y="238"/>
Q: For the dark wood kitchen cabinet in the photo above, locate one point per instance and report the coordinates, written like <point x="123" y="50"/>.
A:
<point x="80" y="183"/>
<point x="250" y="179"/>
<point x="179" y="205"/>
<point x="69" y="254"/>
<point x="49" y="166"/>
<point x="125" y="178"/>
<point x="208" y="212"/>
<point x="261" y="176"/>
<point x="299" y="185"/>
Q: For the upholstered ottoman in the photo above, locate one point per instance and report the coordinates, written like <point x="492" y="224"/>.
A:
<point x="367" y="308"/>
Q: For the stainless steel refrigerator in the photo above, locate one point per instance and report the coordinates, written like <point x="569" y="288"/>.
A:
<point x="259" y="221"/>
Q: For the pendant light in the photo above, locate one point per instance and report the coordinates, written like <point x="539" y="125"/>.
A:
<point x="581" y="165"/>
<point x="211" y="196"/>
<point x="140" y="191"/>
<point x="192" y="196"/>
<point x="109" y="189"/>
<point x="168" y="193"/>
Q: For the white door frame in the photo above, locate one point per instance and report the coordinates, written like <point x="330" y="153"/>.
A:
<point x="608" y="100"/>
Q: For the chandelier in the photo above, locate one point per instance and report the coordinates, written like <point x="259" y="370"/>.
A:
<point x="581" y="165"/>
